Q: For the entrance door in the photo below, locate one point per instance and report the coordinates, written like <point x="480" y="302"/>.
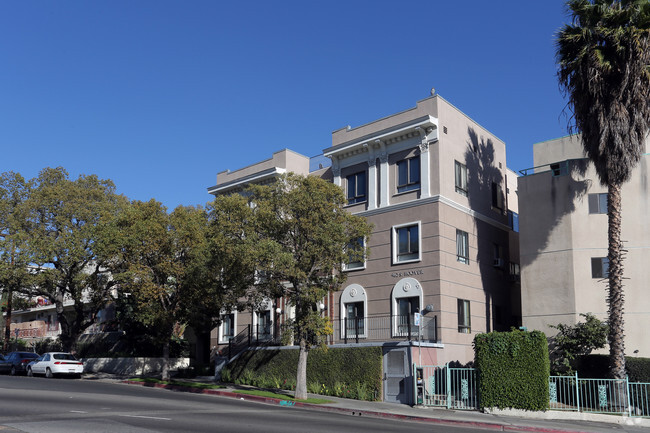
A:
<point x="397" y="383"/>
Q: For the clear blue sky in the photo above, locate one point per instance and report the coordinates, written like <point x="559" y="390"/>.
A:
<point x="161" y="95"/>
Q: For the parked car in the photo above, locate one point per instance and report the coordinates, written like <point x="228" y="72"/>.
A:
<point x="56" y="363"/>
<point x="16" y="362"/>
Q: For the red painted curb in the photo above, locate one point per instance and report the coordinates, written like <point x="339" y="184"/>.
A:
<point x="354" y="412"/>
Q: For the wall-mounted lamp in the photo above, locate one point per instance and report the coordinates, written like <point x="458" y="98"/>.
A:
<point x="278" y="310"/>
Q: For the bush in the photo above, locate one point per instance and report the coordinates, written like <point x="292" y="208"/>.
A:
<point x="354" y="373"/>
<point x="597" y="367"/>
<point x="513" y="370"/>
<point x="575" y="341"/>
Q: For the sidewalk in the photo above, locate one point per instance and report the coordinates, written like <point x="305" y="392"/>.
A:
<point x="506" y="420"/>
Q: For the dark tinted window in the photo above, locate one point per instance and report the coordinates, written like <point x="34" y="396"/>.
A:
<point x="67" y="356"/>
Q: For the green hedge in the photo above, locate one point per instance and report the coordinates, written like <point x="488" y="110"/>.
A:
<point x="354" y="372"/>
<point x="597" y="367"/>
<point x="513" y="370"/>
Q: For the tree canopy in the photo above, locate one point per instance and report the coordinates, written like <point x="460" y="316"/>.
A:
<point x="67" y="225"/>
<point x="304" y="236"/>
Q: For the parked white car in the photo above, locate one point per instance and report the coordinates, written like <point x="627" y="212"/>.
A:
<point x="56" y="363"/>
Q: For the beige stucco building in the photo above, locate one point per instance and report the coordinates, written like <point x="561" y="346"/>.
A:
<point x="563" y="245"/>
<point x="435" y="186"/>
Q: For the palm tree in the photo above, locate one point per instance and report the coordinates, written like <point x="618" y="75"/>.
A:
<point x="603" y="59"/>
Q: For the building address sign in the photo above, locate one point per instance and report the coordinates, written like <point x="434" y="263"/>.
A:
<point x="407" y="273"/>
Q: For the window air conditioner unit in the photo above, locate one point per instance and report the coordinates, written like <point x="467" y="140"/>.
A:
<point x="498" y="263"/>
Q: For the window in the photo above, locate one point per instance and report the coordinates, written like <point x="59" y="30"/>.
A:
<point x="560" y="168"/>
<point x="497" y="256"/>
<point x="408" y="174"/>
<point x="464" y="317"/>
<point x="353" y="307"/>
<point x="497" y="196"/>
<point x="513" y="221"/>
<point x="461" y="178"/>
<point x="356" y="187"/>
<point x="227" y="326"/>
<point x="462" y="247"/>
<point x="406" y="243"/>
<point x="354" y="319"/>
<point x="355" y="253"/>
<point x="263" y="325"/>
<point x="597" y="203"/>
<point x="406" y="307"/>
<point x="599" y="267"/>
<point x="514" y="272"/>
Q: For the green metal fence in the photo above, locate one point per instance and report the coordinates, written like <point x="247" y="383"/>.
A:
<point x="613" y="396"/>
<point x="444" y="386"/>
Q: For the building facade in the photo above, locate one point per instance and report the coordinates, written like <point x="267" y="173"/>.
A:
<point x="564" y="242"/>
<point x="443" y="263"/>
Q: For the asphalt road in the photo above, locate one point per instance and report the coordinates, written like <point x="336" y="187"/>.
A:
<point x="40" y="405"/>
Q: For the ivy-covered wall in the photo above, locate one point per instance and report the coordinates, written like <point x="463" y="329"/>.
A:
<point x="513" y="370"/>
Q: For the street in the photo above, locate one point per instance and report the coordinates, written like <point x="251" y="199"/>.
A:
<point x="39" y="405"/>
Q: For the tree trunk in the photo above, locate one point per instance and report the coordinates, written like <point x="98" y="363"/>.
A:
<point x="301" y="376"/>
<point x="165" y="361"/>
<point x="615" y="299"/>
<point x="10" y="295"/>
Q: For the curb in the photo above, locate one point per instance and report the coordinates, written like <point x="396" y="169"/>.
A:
<point x="355" y="412"/>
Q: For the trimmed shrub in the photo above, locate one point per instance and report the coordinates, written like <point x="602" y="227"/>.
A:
<point x="354" y="372"/>
<point x="597" y="367"/>
<point x="513" y="370"/>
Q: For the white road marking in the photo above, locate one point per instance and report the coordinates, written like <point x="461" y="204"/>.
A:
<point x="147" y="417"/>
<point x="78" y="411"/>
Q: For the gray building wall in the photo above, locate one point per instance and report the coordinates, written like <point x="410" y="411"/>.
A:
<point x="559" y="237"/>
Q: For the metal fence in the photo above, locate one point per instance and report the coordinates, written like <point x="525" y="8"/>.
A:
<point x="384" y="328"/>
<point x="613" y="396"/>
<point x="444" y="386"/>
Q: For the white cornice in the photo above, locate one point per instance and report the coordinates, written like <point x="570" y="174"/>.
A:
<point x="387" y="136"/>
<point x="254" y="178"/>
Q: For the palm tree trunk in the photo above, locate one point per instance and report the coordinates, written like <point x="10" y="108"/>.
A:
<point x="615" y="297"/>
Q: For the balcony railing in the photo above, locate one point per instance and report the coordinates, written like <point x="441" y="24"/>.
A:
<point x="385" y="328"/>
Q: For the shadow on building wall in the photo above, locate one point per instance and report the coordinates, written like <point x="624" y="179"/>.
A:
<point x="486" y="195"/>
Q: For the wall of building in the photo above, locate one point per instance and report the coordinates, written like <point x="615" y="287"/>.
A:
<point x="559" y="237"/>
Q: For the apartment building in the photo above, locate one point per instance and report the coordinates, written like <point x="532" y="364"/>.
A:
<point x="564" y="242"/>
<point x="443" y="262"/>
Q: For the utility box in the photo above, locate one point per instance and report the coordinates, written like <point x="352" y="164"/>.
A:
<point x="419" y="385"/>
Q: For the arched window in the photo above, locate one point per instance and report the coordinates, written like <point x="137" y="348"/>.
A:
<point x="263" y="321"/>
<point x="406" y="299"/>
<point x="354" y="311"/>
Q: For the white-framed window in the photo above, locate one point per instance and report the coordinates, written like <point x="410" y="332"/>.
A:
<point x="356" y="255"/>
<point x="408" y="174"/>
<point x="354" y="312"/>
<point x="228" y="327"/>
<point x="406" y="299"/>
<point x="599" y="267"/>
<point x="462" y="246"/>
<point x="497" y="196"/>
<point x="263" y="321"/>
<point x="464" y="317"/>
<point x="356" y="184"/>
<point x="460" y="171"/>
<point x="597" y="203"/>
<point x="406" y="243"/>
<point x="497" y="253"/>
